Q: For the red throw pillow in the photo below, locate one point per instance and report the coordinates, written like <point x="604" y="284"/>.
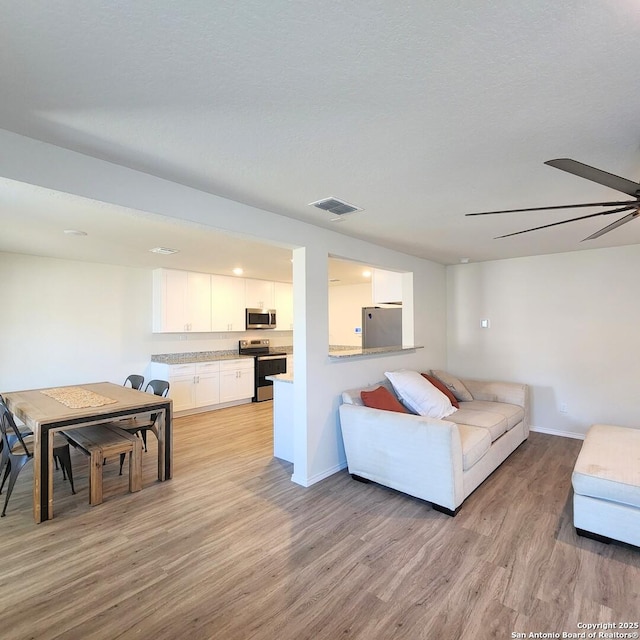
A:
<point x="442" y="387"/>
<point x="382" y="398"/>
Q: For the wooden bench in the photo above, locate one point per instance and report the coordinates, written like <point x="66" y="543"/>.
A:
<point x="100" y="442"/>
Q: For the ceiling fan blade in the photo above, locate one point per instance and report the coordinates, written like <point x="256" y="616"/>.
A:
<point x="560" y="206"/>
<point x="555" y="224"/>
<point x="596" y="175"/>
<point x="614" y="225"/>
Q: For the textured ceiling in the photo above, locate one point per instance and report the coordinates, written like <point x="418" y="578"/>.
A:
<point x="418" y="112"/>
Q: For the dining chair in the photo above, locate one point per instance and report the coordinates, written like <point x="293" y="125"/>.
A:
<point x="17" y="450"/>
<point x="136" y="381"/>
<point x="141" y="427"/>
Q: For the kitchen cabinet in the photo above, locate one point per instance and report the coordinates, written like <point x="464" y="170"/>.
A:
<point x="181" y="382"/>
<point x="283" y="304"/>
<point x="181" y="301"/>
<point x="207" y="384"/>
<point x="227" y="303"/>
<point x="191" y="385"/>
<point x="236" y="379"/>
<point x="259" y="294"/>
<point x="386" y="287"/>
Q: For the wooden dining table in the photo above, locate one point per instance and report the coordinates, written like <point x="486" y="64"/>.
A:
<point x="48" y="410"/>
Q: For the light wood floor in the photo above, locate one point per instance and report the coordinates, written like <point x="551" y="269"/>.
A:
<point x="232" y="549"/>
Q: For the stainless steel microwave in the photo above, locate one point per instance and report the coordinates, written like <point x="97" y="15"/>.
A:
<point x="261" y="318"/>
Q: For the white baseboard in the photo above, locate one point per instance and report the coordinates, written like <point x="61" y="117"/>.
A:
<point x="556" y="432"/>
<point x="307" y="482"/>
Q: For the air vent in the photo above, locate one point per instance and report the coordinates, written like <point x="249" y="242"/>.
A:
<point x="335" y="206"/>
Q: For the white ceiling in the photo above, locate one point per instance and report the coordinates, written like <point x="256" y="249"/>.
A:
<point x="419" y="112"/>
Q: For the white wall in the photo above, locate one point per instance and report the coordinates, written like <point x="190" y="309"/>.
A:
<point x="319" y="380"/>
<point x="566" y="324"/>
<point x="345" y="312"/>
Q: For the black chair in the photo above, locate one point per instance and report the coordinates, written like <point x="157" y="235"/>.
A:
<point x="135" y="381"/>
<point x="17" y="450"/>
<point x="141" y="427"/>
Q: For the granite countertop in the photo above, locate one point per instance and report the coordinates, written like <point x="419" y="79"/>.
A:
<point x="196" y="356"/>
<point x="281" y="377"/>
<point x="207" y="356"/>
<point x="355" y="352"/>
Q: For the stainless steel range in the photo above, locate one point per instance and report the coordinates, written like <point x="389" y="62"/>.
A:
<point x="267" y="363"/>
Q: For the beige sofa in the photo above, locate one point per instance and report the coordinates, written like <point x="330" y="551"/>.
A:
<point x="440" y="461"/>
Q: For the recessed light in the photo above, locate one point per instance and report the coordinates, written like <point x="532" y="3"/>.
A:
<point x="75" y="232"/>
<point x="164" y="251"/>
<point x="238" y="271"/>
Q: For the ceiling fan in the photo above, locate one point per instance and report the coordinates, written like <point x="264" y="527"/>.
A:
<point x="595" y="175"/>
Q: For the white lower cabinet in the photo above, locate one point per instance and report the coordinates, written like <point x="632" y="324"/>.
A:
<point x="236" y="379"/>
<point x="206" y="384"/>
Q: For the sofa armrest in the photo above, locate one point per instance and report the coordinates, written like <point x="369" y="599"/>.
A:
<point x="417" y="455"/>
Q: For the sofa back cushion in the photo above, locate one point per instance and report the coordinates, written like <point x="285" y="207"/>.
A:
<point x="442" y="387"/>
<point x="455" y="386"/>
<point x="419" y="395"/>
<point x="382" y="398"/>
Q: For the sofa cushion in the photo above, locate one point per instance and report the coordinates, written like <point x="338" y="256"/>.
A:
<point x="608" y="466"/>
<point x="494" y="423"/>
<point x="475" y="443"/>
<point x="441" y="386"/>
<point x="352" y="396"/>
<point x="512" y="413"/>
<point x="419" y="394"/>
<point x="382" y="398"/>
<point x="457" y="388"/>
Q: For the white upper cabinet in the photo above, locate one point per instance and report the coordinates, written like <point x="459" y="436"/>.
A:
<point x="259" y="294"/>
<point x="283" y="304"/>
<point x="227" y="303"/>
<point x="181" y="301"/>
<point x="386" y="287"/>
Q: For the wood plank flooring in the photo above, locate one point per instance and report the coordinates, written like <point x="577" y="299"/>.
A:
<point x="231" y="549"/>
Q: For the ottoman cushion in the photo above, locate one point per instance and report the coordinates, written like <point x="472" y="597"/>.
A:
<point x="608" y="466"/>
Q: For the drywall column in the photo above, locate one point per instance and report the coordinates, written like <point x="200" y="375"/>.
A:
<point x="310" y="348"/>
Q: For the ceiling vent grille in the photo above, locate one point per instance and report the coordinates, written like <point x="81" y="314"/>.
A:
<point x="336" y="206"/>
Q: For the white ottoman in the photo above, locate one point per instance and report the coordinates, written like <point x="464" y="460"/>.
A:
<point x="606" y="484"/>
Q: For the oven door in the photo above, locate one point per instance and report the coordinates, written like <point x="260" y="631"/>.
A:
<point x="268" y="366"/>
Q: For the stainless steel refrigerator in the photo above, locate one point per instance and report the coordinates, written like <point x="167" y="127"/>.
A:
<point x="381" y="327"/>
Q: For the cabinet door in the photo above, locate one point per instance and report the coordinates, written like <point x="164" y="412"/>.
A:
<point x="387" y="287"/>
<point x="182" y="392"/>
<point x="198" y="301"/>
<point x="181" y="301"/>
<point x="259" y="294"/>
<point x="283" y="294"/>
<point x="227" y="303"/>
<point x="228" y="385"/>
<point x="246" y="384"/>
<point x="236" y="380"/>
<point x="207" y="389"/>
<point x="169" y="300"/>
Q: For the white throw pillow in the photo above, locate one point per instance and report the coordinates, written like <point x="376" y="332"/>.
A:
<point x="419" y="395"/>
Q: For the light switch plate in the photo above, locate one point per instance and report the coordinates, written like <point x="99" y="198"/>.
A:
<point x="485" y="324"/>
